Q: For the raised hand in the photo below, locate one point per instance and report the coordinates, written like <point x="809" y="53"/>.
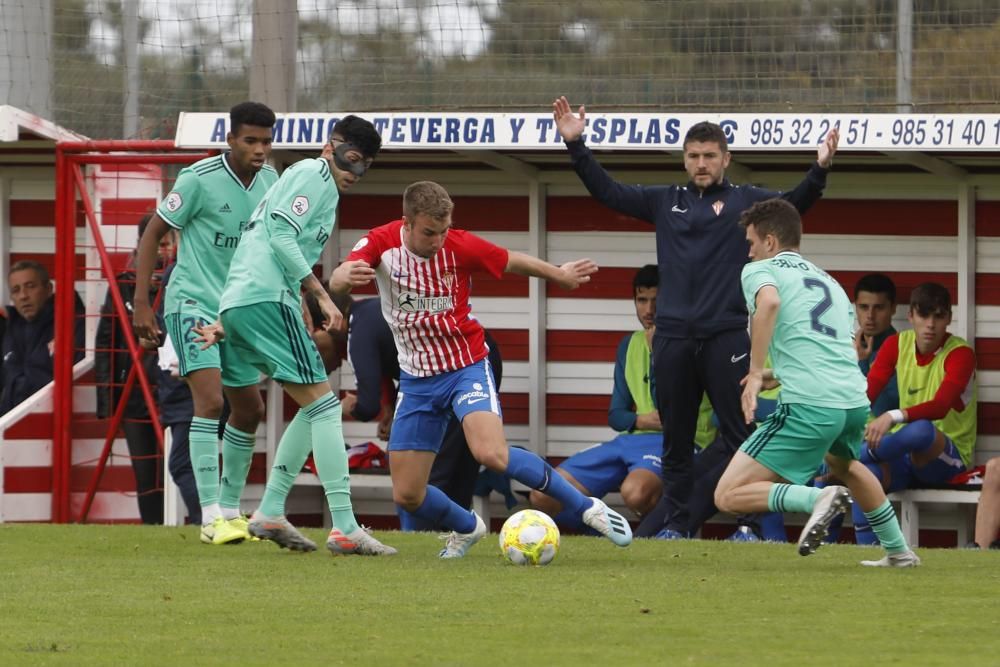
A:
<point x="569" y="126"/>
<point x="824" y="155"/>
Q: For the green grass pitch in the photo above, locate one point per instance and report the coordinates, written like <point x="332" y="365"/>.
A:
<point x="131" y="595"/>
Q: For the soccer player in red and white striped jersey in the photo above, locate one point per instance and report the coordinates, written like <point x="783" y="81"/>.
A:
<point x="423" y="270"/>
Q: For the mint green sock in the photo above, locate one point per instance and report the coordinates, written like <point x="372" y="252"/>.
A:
<point x="792" y="498"/>
<point x="330" y="456"/>
<point x="237" y="453"/>
<point x="203" y="442"/>
<point x="293" y="450"/>
<point x="883" y="521"/>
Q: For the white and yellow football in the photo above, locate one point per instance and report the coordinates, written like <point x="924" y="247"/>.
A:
<point x="529" y="537"/>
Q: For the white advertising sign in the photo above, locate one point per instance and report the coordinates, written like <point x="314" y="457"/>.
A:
<point x="626" y="131"/>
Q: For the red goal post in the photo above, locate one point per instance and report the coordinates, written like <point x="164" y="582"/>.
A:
<point x="93" y="180"/>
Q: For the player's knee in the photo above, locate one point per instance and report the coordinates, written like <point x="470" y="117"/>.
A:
<point x="641" y="494"/>
<point x="208" y="406"/>
<point x="724" y="499"/>
<point x="494" y="458"/>
<point x="408" y="499"/>
<point x="922" y="432"/>
<point x="255" y="412"/>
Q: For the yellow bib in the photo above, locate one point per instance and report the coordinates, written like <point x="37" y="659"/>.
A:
<point x="919" y="384"/>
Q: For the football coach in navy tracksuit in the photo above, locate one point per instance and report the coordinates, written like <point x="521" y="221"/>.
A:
<point x="701" y="341"/>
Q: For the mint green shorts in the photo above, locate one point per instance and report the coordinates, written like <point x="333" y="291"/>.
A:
<point x="793" y="441"/>
<point x="180" y="327"/>
<point x="268" y="338"/>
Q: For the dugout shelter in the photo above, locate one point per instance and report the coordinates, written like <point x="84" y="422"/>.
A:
<point x="913" y="196"/>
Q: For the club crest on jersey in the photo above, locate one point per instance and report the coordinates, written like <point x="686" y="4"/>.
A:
<point x="448" y="278"/>
<point x="300" y="205"/>
<point x="173" y="201"/>
<point x="717" y="207"/>
<point x="409" y="302"/>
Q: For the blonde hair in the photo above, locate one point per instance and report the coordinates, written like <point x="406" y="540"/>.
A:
<point x="426" y="198"/>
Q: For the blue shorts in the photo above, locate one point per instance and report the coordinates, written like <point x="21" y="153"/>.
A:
<point x="425" y="405"/>
<point x="903" y="474"/>
<point x="602" y="468"/>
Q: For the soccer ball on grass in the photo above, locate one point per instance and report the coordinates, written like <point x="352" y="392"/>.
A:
<point x="529" y="537"/>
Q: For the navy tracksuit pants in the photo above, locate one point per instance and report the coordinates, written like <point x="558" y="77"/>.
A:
<point x="684" y="369"/>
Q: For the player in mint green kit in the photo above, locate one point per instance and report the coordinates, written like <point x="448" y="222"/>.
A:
<point x="209" y="205"/>
<point x="264" y="331"/>
<point x="803" y="318"/>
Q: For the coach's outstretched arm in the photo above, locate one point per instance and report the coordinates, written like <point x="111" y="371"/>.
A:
<point x="568" y="276"/>
<point x="810" y="189"/>
<point x="631" y="200"/>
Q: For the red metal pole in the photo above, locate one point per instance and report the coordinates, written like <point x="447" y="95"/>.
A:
<point x="57" y="402"/>
<point x="112" y="145"/>
<point x="65" y="266"/>
<point x="62" y="357"/>
<point x="109" y="439"/>
<point x="158" y="158"/>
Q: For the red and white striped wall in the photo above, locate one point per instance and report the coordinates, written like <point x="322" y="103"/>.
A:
<point x="915" y="227"/>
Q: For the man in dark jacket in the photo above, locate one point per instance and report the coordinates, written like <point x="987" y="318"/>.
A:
<point x="27" y="342"/>
<point x="112" y="365"/>
<point x="701" y="342"/>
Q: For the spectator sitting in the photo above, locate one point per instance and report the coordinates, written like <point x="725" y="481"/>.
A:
<point x="988" y="512"/>
<point x="112" y="365"/>
<point x="874" y="306"/>
<point x="30" y="332"/>
<point x="931" y="436"/>
<point x="631" y="461"/>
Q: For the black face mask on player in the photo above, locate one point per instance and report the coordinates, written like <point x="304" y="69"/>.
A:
<point x="340" y="159"/>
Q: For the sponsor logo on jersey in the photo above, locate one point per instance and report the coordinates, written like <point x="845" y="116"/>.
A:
<point x="300" y="205"/>
<point x="173" y="201"/>
<point x="413" y="303"/>
<point x="225" y="208"/>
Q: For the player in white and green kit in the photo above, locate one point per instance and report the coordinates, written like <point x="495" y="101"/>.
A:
<point x="210" y="205"/>
<point x="803" y="318"/>
<point x="264" y="331"/>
